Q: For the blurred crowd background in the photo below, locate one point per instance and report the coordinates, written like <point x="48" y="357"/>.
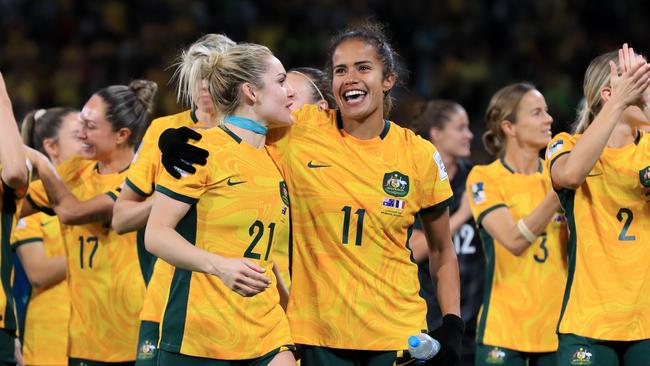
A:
<point x="57" y="52"/>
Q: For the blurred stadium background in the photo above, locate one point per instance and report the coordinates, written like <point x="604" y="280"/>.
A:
<point x="57" y="52"/>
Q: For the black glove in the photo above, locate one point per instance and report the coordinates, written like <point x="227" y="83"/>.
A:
<point x="450" y="335"/>
<point x="177" y="153"/>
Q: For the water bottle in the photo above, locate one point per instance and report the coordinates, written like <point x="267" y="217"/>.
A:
<point x="422" y="347"/>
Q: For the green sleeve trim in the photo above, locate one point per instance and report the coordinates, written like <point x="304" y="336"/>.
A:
<point x="438" y="206"/>
<point x="480" y="217"/>
<point x="18" y="243"/>
<point x="177" y="196"/>
<point x="135" y="188"/>
<point x="556" y="157"/>
<point x="45" y="210"/>
<point x="112" y="195"/>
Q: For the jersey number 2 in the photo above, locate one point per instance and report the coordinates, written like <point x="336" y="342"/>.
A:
<point x="91" y="240"/>
<point x="626" y="226"/>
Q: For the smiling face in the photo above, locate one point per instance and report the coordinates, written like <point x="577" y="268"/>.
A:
<point x="97" y="136"/>
<point x="274" y="99"/>
<point x="533" y="126"/>
<point x="358" y="81"/>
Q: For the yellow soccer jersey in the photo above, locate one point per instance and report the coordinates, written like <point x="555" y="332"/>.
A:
<point x="105" y="278"/>
<point x="353" y="205"/>
<point x="607" y="294"/>
<point x="237" y="208"/>
<point x="10" y="207"/>
<point x="45" y="339"/>
<point x="523" y="294"/>
<point x="141" y="178"/>
<point x="157" y="292"/>
<point x="146" y="165"/>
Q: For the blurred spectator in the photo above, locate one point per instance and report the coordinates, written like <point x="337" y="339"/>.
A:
<point x="56" y="52"/>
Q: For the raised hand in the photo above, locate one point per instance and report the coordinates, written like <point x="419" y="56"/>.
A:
<point x="630" y="86"/>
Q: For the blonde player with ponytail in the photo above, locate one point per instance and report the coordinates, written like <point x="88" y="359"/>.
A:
<point x="602" y="176"/>
<point x="132" y="208"/>
<point x="219" y="226"/>
<point x="516" y="212"/>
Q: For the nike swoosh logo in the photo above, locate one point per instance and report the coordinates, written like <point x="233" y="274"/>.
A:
<point x="594" y="175"/>
<point x="47" y="223"/>
<point x="312" y="165"/>
<point x="231" y="183"/>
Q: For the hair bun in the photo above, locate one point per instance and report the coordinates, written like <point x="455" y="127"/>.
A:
<point x="145" y="90"/>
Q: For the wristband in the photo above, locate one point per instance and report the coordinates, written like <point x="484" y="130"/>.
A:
<point x="525" y="231"/>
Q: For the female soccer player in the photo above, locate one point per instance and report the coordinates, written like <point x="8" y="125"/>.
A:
<point x="219" y="225"/>
<point x="356" y="182"/>
<point x="38" y="242"/>
<point x="602" y="175"/>
<point x="104" y="273"/>
<point x="132" y="207"/>
<point x="516" y="212"/>
<point x="446" y="125"/>
<point x="15" y="180"/>
<point x="311" y="86"/>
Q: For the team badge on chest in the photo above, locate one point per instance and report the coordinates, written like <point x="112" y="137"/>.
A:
<point x="284" y="193"/>
<point x="396" y="184"/>
<point x="644" y="176"/>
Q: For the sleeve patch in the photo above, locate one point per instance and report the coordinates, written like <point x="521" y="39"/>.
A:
<point x="21" y="224"/>
<point x="478" y="193"/>
<point x="442" y="171"/>
<point x="555" y="147"/>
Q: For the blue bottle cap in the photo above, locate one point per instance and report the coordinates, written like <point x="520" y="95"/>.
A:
<point x="414" y="341"/>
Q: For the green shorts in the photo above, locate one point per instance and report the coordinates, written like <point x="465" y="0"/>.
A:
<point x="82" y="362"/>
<point x="7" y="339"/>
<point x="146" y="354"/>
<point x="575" y="350"/>
<point x="323" y="356"/>
<point x="493" y="355"/>
<point x="175" y="359"/>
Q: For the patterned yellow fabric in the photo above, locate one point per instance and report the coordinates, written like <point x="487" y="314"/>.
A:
<point x="146" y="165"/>
<point x="142" y="176"/>
<point x="236" y="211"/>
<point x="353" y="204"/>
<point x="607" y="296"/>
<point x="523" y="294"/>
<point x="105" y="279"/>
<point x="45" y="339"/>
<point x="10" y="207"/>
<point x="157" y="292"/>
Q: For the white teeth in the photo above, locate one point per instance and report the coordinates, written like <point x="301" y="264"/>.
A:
<point x="87" y="146"/>
<point x="354" y="93"/>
